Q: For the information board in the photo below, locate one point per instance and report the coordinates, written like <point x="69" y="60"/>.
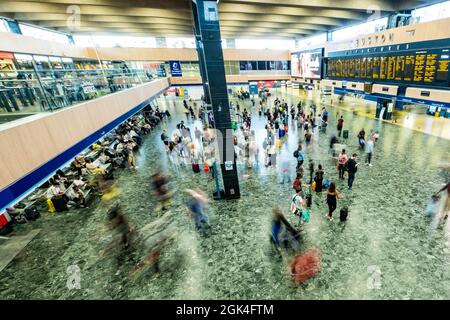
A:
<point x="426" y="67"/>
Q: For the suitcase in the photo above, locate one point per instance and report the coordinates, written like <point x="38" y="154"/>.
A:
<point x="308" y="201"/>
<point x="195" y="167"/>
<point x="345" y="134"/>
<point x="60" y="204"/>
<point x="343" y="214"/>
<point x="281" y="133"/>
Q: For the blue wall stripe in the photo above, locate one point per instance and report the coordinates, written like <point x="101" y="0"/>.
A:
<point x="32" y="180"/>
<point x="375" y="96"/>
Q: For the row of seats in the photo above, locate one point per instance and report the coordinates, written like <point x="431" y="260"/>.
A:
<point x="89" y="174"/>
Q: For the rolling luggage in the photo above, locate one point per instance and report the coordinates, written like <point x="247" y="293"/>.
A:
<point x="195" y="167"/>
<point x="345" y="134"/>
<point x="60" y="204"/>
<point x="308" y="201"/>
<point x="343" y="214"/>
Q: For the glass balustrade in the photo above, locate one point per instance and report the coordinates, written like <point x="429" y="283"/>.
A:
<point x="26" y="92"/>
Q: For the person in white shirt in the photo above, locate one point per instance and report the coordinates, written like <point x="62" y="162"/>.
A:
<point x="79" y="182"/>
<point x="319" y="121"/>
<point x="54" y="190"/>
<point x="133" y="133"/>
<point x="297" y="204"/>
<point x="369" y="151"/>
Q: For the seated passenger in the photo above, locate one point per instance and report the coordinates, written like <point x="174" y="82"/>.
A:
<point x="77" y="196"/>
<point x="78" y="164"/>
<point x="94" y="169"/>
<point x="103" y="158"/>
<point x="78" y="182"/>
<point x="54" y="190"/>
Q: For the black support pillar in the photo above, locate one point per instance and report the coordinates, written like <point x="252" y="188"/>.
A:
<point x="209" y="48"/>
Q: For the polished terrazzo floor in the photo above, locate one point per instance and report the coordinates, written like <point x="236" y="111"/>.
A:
<point x="388" y="249"/>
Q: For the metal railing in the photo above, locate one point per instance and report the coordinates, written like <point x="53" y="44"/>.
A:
<point x="24" y="92"/>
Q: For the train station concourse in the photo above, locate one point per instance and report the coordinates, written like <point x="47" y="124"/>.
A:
<point x="224" y="150"/>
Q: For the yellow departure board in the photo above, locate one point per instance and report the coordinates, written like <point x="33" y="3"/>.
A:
<point x="376" y="68"/>
<point x="442" y="68"/>
<point x="430" y="67"/>
<point x="399" y="68"/>
<point x="419" y="67"/>
<point x="363" y="73"/>
<point x="391" y="68"/>
<point x="408" y="73"/>
<point x="383" y="68"/>
<point x="358" y="68"/>
<point x="369" y="69"/>
<point x="351" y="68"/>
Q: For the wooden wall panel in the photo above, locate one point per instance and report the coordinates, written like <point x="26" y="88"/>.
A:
<point x="34" y="142"/>
<point x="434" y="95"/>
<point x="391" y="90"/>
<point x="12" y="42"/>
<point x="433" y="30"/>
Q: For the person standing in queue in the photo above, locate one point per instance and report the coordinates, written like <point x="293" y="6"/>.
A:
<point x="352" y="167"/>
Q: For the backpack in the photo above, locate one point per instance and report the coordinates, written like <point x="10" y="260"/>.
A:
<point x="296" y="184"/>
<point x="295" y="154"/>
<point x="32" y="213"/>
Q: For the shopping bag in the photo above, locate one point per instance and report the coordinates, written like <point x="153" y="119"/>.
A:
<point x="51" y="207"/>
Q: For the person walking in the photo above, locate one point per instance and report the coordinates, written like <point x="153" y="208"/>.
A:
<point x="297" y="204"/>
<point x="297" y="185"/>
<point x="300" y="155"/>
<point x="332" y="196"/>
<point x="340" y="125"/>
<point x="343" y="158"/>
<point x="352" y="167"/>
<point x="369" y="152"/>
<point x="319" y="179"/>
<point x="362" y="139"/>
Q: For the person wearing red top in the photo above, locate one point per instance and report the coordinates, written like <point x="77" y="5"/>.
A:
<point x="340" y="125"/>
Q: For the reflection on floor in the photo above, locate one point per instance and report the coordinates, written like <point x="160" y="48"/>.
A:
<point x="388" y="249"/>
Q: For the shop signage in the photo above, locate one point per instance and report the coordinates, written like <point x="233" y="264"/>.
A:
<point x="6" y="56"/>
<point x="175" y="68"/>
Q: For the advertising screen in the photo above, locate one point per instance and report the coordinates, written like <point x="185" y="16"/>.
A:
<point x="307" y="64"/>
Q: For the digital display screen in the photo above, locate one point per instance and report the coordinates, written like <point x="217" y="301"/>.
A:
<point x="307" y="64"/>
<point x="427" y="67"/>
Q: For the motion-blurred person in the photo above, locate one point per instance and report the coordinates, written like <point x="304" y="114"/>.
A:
<point x="161" y="191"/>
<point x="278" y="221"/>
<point x="197" y="200"/>
<point x="446" y="209"/>
<point x="122" y="234"/>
